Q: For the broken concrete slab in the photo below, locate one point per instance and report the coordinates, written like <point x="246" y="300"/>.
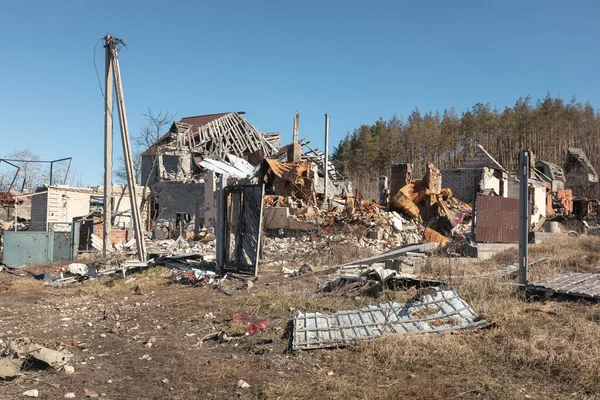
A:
<point x="54" y="358"/>
<point x="81" y="269"/>
<point x="10" y="367"/>
<point x="394" y="253"/>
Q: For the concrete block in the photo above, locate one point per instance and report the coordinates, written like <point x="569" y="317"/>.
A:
<point x="376" y="234"/>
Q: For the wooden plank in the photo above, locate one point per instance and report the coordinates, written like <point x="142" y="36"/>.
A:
<point x="235" y="122"/>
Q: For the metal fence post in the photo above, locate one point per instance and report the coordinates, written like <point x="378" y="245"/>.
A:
<point x="523" y="218"/>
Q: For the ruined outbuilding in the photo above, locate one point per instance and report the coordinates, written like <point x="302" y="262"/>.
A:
<point x="60" y="204"/>
<point x="580" y="174"/>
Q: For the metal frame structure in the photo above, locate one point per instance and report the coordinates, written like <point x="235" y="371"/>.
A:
<point x="240" y="227"/>
<point x="51" y="162"/>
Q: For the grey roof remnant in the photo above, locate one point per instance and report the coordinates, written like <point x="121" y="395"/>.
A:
<point x="437" y="312"/>
<point x="577" y="161"/>
<point x="584" y="285"/>
<point x="481" y="159"/>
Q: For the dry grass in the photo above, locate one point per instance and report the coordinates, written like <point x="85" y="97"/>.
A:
<point x="533" y="350"/>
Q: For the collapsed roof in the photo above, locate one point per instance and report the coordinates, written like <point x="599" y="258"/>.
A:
<point x="217" y="133"/>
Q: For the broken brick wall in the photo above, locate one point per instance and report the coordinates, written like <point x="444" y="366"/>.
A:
<point x="401" y="175"/>
<point x="464" y="183"/>
<point x="179" y="197"/>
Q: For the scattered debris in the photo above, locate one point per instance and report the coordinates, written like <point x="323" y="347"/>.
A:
<point x="90" y="393"/>
<point x="243" y="384"/>
<point x="31" y="393"/>
<point x="70" y="395"/>
<point x="304" y="269"/>
<point x="439" y="311"/>
<point x="387" y="278"/>
<point x="24" y="348"/>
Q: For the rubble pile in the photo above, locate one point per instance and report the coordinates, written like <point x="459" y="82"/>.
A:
<point x="295" y="247"/>
<point x="206" y="246"/>
<point x="426" y="202"/>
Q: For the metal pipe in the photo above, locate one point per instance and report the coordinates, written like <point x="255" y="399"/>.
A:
<point x="326" y="159"/>
<point x="68" y="168"/>
<point x="523" y="218"/>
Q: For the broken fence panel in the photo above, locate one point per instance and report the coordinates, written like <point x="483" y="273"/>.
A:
<point x="583" y="285"/>
<point x="438" y="312"/>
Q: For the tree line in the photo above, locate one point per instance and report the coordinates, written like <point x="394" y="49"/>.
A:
<point x="547" y="128"/>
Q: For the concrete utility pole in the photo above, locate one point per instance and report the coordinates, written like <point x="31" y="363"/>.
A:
<point x="326" y="158"/>
<point x="108" y="131"/>
<point x="523" y="218"/>
<point x="111" y="45"/>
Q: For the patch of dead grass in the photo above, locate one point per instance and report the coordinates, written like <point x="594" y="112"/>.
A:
<point x="146" y="280"/>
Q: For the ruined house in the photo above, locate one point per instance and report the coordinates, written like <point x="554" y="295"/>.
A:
<point x="303" y="152"/>
<point x="174" y="169"/>
<point x="476" y="175"/>
<point x="580" y="174"/>
<point x="552" y="174"/>
<point x="60" y="204"/>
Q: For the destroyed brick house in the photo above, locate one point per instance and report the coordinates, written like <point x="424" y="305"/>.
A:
<point x="178" y="166"/>
<point x="173" y="165"/>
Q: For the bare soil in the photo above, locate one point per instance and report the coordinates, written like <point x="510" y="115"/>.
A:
<point x="533" y="350"/>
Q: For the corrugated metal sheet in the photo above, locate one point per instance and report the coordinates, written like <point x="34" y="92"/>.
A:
<point x="437" y="312"/>
<point x="27" y="247"/>
<point x="585" y="285"/>
<point x="497" y="219"/>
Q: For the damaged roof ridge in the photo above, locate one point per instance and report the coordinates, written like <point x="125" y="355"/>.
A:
<point x="213" y="114"/>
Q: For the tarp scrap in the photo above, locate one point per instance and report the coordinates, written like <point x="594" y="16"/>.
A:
<point x="252" y="326"/>
<point x="439" y="311"/>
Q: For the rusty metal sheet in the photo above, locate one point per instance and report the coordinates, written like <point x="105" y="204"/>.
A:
<point x="291" y="172"/>
<point x="497" y="219"/>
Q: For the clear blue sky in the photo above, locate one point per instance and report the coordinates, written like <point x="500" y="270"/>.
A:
<point x="357" y="60"/>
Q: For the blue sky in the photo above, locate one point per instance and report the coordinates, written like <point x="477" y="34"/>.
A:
<point x="357" y="60"/>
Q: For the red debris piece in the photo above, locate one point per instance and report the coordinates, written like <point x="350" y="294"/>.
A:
<point x="252" y="327"/>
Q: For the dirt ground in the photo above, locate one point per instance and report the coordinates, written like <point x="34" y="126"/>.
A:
<point x="532" y="350"/>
